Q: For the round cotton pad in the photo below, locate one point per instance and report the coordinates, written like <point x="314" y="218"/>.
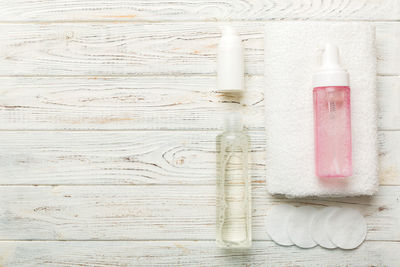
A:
<point x="318" y="227"/>
<point x="277" y="220"/>
<point x="346" y="228"/>
<point x="298" y="227"/>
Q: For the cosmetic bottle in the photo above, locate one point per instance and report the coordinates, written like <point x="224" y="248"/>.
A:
<point x="233" y="186"/>
<point x="332" y="118"/>
<point x="230" y="68"/>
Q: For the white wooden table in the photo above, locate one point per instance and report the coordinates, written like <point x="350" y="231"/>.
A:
<point x="108" y="122"/>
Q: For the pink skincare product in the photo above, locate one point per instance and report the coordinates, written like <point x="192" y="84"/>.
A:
<point x="332" y="120"/>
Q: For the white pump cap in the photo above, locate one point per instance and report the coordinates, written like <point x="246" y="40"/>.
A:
<point x="233" y="122"/>
<point x="330" y="73"/>
<point x="230" y="62"/>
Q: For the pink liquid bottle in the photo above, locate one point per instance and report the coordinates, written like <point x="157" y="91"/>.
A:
<point x="332" y="118"/>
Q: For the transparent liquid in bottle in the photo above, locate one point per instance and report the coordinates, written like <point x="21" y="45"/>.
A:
<point x="332" y="116"/>
<point x="332" y="131"/>
<point x="233" y="191"/>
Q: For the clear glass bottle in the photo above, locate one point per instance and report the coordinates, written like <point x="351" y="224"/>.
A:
<point x="233" y="186"/>
<point x="332" y="117"/>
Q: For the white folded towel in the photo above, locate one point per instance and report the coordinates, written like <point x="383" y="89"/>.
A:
<point x="291" y="50"/>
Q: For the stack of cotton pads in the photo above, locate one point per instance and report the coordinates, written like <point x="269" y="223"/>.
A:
<point x="306" y="227"/>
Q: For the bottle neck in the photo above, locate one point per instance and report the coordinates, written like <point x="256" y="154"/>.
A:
<point x="233" y="126"/>
<point x="330" y="78"/>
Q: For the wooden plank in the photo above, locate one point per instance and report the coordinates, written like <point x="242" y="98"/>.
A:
<point x="389" y="103"/>
<point x="389" y="156"/>
<point x="188" y="253"/>
<point x="141" y="157"/>
<point x="387" y="45"/>
<point x="113" y="103"/>
<point x="119" y="48"/>
<point x="124" y="103"/>
<point x="142" y="48"/>
<point x="158" y="10"/>
<point x="157" y="212"/>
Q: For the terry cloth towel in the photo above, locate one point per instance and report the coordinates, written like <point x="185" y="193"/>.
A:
<point x="291" y="50"/>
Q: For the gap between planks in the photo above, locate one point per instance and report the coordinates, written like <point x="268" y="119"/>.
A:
<point x="150" y="240"/>
<point x="192" y="21"/>
<point x="144" y="130"/>
<point x="144" y="75"/>
<point x="137" y="185"/>
<point x="127" y="130"/>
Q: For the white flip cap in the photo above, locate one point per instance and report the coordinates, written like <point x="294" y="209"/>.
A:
<point x="330" y="73"/>
<point x="230" y="62"/>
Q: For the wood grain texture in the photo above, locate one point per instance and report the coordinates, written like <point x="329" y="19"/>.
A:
<point x="119" y="48"/>
<point x="139" y="157"/>
<point x="387" y="45"/>
<point x="389" y="156"/>
<point x="389" y="102"/>
<point x="158" y="212"/>
<point x="155" y="10"/>
<point x="188" y="253"/>
<point x="142" y="48"/>
<point x="147" y="197"/>
<point x="129" y="103"/>
<point x="124" y="103"/>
